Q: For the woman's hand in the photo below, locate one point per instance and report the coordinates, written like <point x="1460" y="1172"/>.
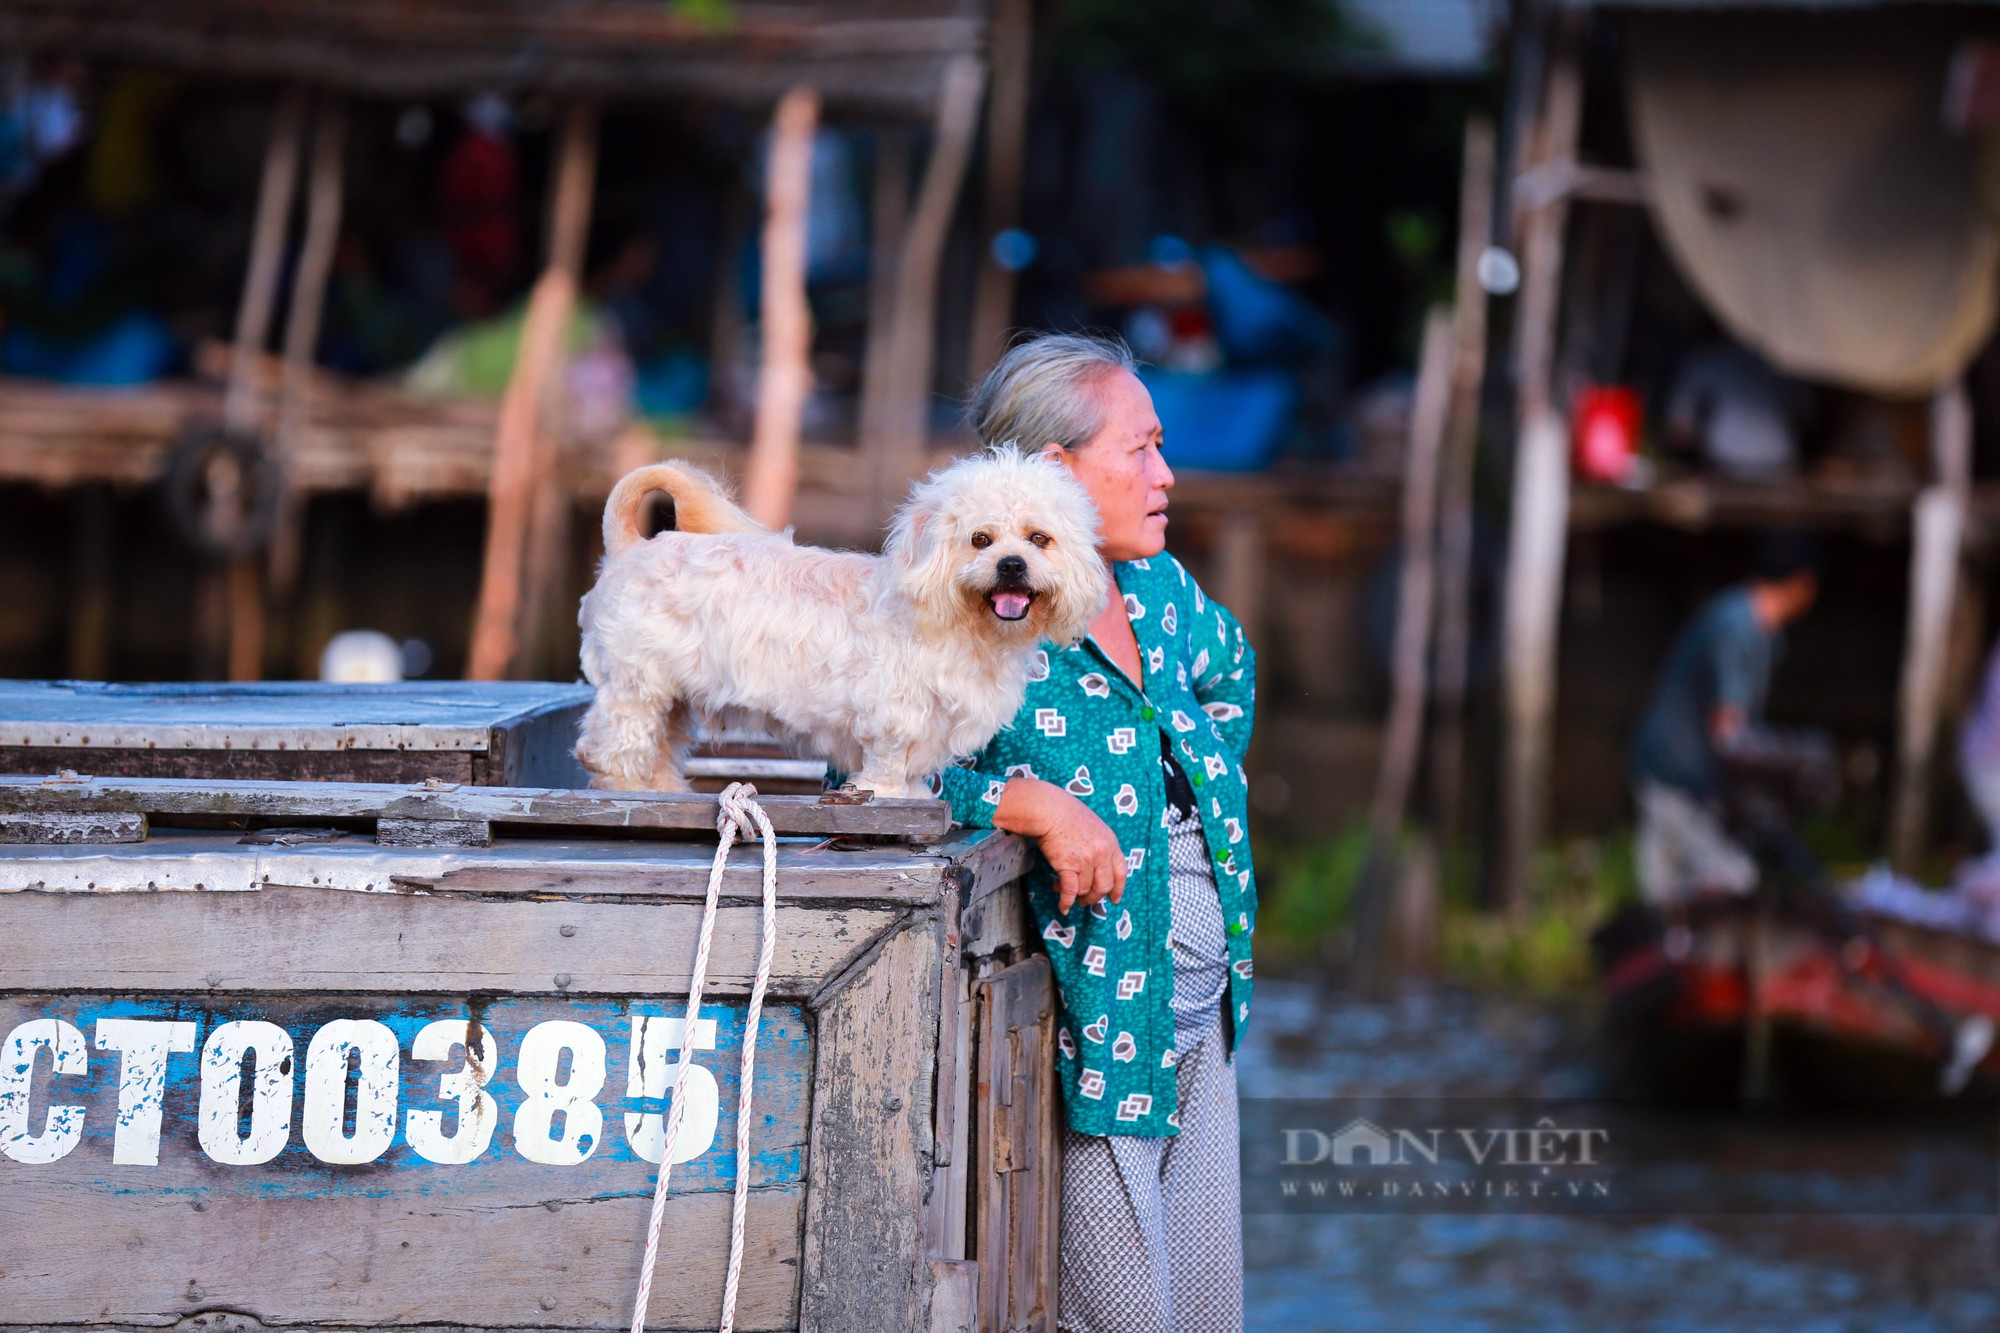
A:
<point x="1079" y="847"/>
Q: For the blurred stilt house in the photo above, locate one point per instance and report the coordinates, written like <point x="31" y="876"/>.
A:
<point x="1815" y="184"/>
<point x="317" y="283"/>
<point x="266" y="451"/>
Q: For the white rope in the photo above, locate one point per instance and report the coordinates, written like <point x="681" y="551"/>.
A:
<point x="739" y="814"/>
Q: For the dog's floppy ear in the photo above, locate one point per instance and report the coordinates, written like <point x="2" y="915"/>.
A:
<point x="906" y="531"/>
<point x="919" y="548"/>
<point x="1082" y="583"/>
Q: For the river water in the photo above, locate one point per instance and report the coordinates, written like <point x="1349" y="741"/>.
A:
<point x="1828" y="1257"/>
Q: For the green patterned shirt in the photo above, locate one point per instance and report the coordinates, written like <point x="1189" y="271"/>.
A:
<point x="1088" y="728"/>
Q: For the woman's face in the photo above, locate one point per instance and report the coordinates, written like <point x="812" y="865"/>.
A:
<point x="1122" y="469"/>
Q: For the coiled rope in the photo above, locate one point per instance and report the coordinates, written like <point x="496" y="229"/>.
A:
<point x="739" y="815"/>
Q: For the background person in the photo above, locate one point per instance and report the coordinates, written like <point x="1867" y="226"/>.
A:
<point x="1125" y="766"/>
<point x="1710" y="696"/>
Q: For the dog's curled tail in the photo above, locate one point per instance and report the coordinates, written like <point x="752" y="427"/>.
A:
<point x="700" y="505"/>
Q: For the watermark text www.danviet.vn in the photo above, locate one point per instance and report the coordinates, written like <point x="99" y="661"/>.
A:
<point x="1504" y="1161"/>
<point x="1525" y="1155"/>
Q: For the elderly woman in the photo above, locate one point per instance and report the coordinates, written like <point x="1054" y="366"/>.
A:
<point x="1125" y="766"/>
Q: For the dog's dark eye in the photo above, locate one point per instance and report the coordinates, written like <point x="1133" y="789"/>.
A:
<point x="1041" y="539"/>
<point x="981" y="541"/>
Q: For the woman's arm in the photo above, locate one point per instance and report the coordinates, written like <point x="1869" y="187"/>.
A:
<point x="1079" y="847"/>
<point x="974" y="796"/>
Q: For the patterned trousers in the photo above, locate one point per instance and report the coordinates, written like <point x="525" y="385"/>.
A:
<point x="1152" y="1229"/>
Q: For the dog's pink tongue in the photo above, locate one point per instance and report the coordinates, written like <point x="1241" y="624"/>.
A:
<point x="1010" y="605"/>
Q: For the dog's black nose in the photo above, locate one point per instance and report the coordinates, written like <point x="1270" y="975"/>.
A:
<point x="1011" y="567"/>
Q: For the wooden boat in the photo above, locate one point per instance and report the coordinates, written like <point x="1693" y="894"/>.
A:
<point x="1738" y="995"/>
<point x="388" y="1049"/>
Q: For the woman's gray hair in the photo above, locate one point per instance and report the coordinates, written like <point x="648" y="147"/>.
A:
<point x="1043" y="391"/>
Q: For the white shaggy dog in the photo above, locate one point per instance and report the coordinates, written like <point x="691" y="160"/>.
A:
<point x="889" y="666"/>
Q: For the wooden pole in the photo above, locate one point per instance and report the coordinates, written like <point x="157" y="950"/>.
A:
<point x="91" y="582"/>
<point x="890" y="210"/>
<point x="1937" y="537"/>
<point x="246" y="618"/>
<point x="905" y="408"/>
<point x="1410" y="658"/>
<point x="784" y="380"/>
<point x="1242" y="573"/>
<point x="550" y="562"/>
<point x="238" y="587"/>
<point x="520" y="456"/>
<point x="1403" y="738"/>
<point x="1011" y="42"/>
<point x="267" y="246"/>
<point x="1541" y="492"/>
<point x="324" y="201"/>
<point x="1458" y="470"/>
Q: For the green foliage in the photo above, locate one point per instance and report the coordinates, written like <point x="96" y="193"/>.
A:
<point x="1546" y="948"/>
<point x="1310" y="891"/>
<point x="1311" y="888"/>
<point x="714" y="15"/>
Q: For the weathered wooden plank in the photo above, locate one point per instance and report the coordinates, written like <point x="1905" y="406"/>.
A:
<point x="309" y="939"/>
<point x="273" y="765"/>
<point x="811" y="878"/>
<point x="875" y="56"/>
<point x="276" y="715"/>
<point x="434" y="833"/>
<point x="152" y="1112"/>
<point x="158" y="1154"/>
<point x="954" y="1296"/>
<point x="944" y="1234"/>
<point x="538" y="748"/>
<point x="868" y="1161"/>
<point x="181" y="860"/>
<point x="540" y="807"/>
<point x="1013" y="1167"/>
<point x="994" y="916"/>
<point x="991" y="858"/>
<point x="96" y="828"/>
<point x="387" y="1263"/>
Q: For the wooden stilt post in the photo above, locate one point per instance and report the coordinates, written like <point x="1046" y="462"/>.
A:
<point x="324" y="200"/>
<point x="546" y="585"/>
<point x="1455" y="485"/>
<point x="1541" y="492"/>
<point x="1011" y="41"/>
<point x="1403" y="739"/>
<point x="905" y="402"/>
<point x="1937" y="536"/>
<point x="1411" y="653"/>
<point x="520" y="459"/>
<point x="275" y="190"/>
<point x="1241" y="571"/>
<point x="246" y="618"/>
<point x="784" y="380"/>
<point x="890" y="208"/>
<point x="238" y="588"/>
<point x="91" y="582"/>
